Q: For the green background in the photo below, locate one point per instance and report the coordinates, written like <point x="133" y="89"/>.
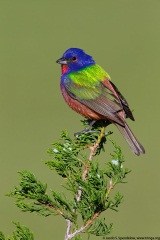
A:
<point x="123" y="36"/>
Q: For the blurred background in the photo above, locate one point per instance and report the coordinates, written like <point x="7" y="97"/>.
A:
<point x="124" y="38"/>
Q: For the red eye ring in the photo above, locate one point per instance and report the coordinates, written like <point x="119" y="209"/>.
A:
<point x="74" y="59"/>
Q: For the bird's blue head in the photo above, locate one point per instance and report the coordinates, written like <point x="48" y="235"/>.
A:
<point x="75" y="59"/>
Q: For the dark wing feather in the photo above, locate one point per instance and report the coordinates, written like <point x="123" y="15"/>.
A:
<point x="125" y="105"/>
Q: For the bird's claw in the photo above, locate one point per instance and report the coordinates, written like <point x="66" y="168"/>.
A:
<point x="84" y="131"/>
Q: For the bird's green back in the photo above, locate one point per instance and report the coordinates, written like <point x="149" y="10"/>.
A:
<point x="86" y="83"/>
<point x="89" y="76"/>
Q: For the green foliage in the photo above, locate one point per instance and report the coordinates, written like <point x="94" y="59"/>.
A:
<point x="31" y="196"/>
<point x="89" y="184"/>
<point x="21" y="233"/>
<point x="78" y="238"/>
<point x="2" y="237"/>
<point x="115" y="169"/>
<point x="99" y="228"/>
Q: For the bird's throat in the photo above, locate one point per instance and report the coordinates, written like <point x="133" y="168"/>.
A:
<point x="64" y="68"/>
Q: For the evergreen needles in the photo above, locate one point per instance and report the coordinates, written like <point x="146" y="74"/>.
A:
<point x="89" y="185"/>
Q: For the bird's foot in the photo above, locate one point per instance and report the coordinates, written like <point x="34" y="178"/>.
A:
<point x="84" y="131"/>
<point x="87" y="129"/>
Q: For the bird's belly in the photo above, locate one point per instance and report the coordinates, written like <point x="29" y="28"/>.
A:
<point x="79" y="107"/>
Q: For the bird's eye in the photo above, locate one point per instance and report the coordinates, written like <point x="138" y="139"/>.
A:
<point x="74" y="59"/>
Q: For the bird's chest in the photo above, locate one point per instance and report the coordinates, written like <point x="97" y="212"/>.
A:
<point x="73" y="103"/>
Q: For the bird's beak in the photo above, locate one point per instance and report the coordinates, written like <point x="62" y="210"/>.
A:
<point x="62" y="61"/>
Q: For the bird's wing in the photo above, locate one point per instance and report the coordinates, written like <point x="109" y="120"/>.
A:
<point x="124" y="102"/>
<point x="98" y="96"/>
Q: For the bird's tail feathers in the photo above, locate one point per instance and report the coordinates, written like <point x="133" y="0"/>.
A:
<point x="134" y="144"/>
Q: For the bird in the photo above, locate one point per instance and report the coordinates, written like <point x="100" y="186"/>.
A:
<point x="87" y="89"/>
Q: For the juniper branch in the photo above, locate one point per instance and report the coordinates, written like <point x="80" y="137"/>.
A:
<point x="89" y="185"/>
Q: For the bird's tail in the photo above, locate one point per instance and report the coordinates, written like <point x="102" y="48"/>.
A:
<point x="135" y="146"/>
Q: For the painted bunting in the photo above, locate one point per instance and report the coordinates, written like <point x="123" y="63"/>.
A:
<point x="88" y="90"/>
